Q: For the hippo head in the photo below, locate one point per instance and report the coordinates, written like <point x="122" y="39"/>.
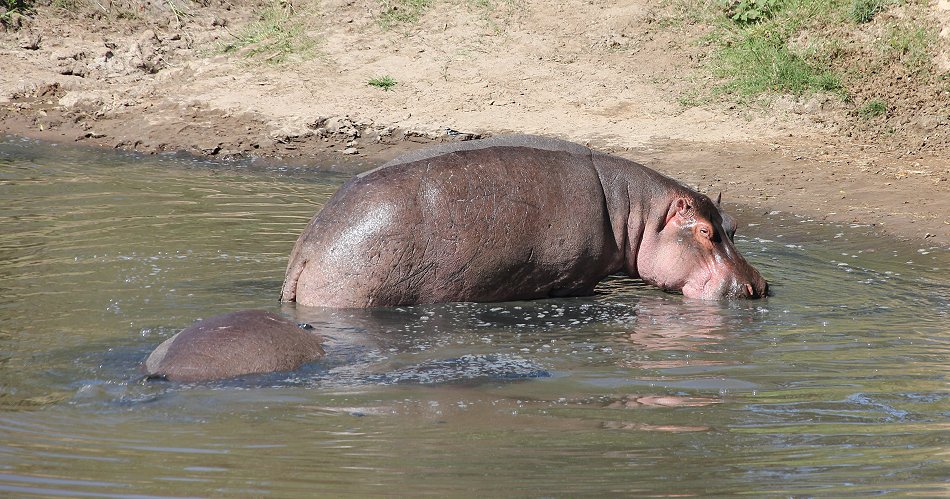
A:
<point x="691" y="250"/>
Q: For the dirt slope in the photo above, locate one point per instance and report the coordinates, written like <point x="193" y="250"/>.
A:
<point x="612" y="74"/>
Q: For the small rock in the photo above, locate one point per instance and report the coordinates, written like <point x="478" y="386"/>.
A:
<point x="926" y="123"/>
<point x="350" y="151"/>
<point x="74" y="68"/>
<point x="78" y="99"/>
<point x="146" y="54"/>
<point x="31" y="41"/>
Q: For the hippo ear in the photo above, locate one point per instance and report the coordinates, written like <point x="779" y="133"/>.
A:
<point x="719" y="199"/>
<point x="682" y="206"/>
<point x="679" y="210"/>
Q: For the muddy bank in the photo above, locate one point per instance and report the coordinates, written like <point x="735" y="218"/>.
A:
<point x="877" y="191"/>
<point x="602" y="74"/>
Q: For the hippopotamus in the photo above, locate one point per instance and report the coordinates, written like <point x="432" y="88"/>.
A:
<point x="509" y="218"/>
<point x="512" y="218"/>
<point x="234" y="344"/>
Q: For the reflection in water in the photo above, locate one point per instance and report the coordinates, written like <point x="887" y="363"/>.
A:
<point x="616" y="425"/>
<point x="635" y="401"/>
<point x="683" y="327"/>
<point x="834" y="385"/>
<point x="650" y="401"/>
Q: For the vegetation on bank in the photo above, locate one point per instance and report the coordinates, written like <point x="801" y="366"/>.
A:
<point x="873" y="58"/>
<point x="394" y="12"/>
<point x="876" y="57"/>
<point x="278" y="34"/>
<point x="11" y="10"/>
<point x="383" y="82"/>
<point x="801" y="46"/>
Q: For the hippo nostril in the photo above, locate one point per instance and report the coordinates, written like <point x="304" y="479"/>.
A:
<point x="749" y="291"/>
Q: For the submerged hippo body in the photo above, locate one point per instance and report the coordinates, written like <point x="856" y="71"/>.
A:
<point x="234" y="344"/>
<point x="507" y="219"/>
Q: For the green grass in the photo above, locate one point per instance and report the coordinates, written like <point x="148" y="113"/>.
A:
<point x="383" y="82"/>
<point x="760" y="60"/>
<point x="13" y="9"/>
<point x="854" y="50"/>
<point x="15" y="5"/>
<point x="277" y="35"/>
<point x="863" y="11"/>
<point x="752" y="11"/>
<point x="873" y="109"/>
<point x="912" y="46"/>
<point x="397" y="12"/>
<point x="68" y="5"/>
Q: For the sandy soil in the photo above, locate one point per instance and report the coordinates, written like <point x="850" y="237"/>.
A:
<point x="609" y="74"/>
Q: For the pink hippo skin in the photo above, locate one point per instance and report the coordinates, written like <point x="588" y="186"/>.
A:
<point x="512" y="218"/>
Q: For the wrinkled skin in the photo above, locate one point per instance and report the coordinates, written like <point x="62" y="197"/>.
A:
<point x="507" y="219"/>
<point x="233" y="344"/>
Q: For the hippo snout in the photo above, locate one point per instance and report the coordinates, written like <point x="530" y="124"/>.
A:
<point x="756" y="288"/>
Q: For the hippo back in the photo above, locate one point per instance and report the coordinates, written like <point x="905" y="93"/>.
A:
<point x="529" y="141"/>
<point x="501" y="219"/>
<point x="234" y="344"/>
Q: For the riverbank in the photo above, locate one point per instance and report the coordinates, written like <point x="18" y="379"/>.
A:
<point x="166" y="78"/>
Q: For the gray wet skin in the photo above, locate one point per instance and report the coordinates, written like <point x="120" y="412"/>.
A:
<point x="512" y="218"/>
<point x="234" y="344"/>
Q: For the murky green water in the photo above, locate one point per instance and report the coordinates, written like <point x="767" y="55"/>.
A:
<point x="836" y="385"/>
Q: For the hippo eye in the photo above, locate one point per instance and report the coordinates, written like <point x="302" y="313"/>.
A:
<point x="704" y="230"/>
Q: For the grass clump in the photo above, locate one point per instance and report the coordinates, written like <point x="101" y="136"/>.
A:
<point x="68" y="5"/>
<point x="383" y="82"/>
<point x="277" y="35"/>
<point x="873" y="109"/>
<point x="855" y="50"/>
<point x="763" y="62"/>
<point x="14" y="5"/>
<point x="12" y="10"/>
<point x="863" y="11"/>
<point x="912" y="46"/>
<point x="396" y="12"/>
<point x="757" y="54"/>
<point x="751" y="11"/>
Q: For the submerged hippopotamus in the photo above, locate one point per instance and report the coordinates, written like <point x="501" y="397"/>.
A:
<point x="234" y="344"/>
<point x="512" y="218"/>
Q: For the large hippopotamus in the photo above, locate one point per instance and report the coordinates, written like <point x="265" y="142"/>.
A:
<point x="512" y="218"/>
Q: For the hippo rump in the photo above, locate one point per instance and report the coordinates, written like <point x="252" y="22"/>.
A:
<point x="512" y="218"/>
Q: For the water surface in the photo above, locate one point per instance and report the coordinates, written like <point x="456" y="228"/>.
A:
<point x="836" y="385"/>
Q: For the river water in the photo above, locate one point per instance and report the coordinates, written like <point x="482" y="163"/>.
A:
<point x="835" y="385"/>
